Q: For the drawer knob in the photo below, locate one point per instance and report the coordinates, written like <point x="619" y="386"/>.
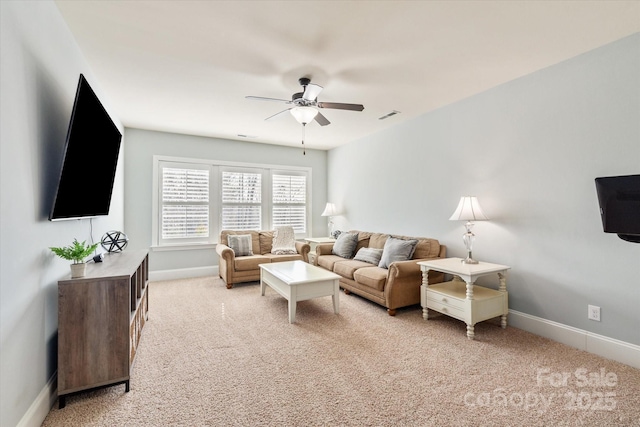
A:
<point x="444" y="299"/>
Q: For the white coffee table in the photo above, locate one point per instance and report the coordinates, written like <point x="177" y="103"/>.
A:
<point x="300" y="281"/>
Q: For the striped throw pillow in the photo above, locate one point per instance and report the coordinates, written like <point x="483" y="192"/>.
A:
<point x="370" y="255"/>
<point x="240" y="244"/>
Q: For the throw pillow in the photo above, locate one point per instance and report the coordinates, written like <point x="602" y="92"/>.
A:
<point x="370" y="255"/>
<point x="396" y="250"/>
<point x="345" y="245"/>
<point x="284" y="241"/>
<point x="240" y="244"/>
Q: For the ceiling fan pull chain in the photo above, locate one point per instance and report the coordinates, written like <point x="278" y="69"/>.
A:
<point x="304" y="152"/>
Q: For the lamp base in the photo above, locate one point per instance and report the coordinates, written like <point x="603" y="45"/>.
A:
<point x="468" y="239"/>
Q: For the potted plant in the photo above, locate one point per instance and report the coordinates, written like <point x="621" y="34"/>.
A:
<point x="75" y="252"/>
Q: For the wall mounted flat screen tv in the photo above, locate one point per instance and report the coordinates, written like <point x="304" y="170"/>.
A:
<point x="90" y="159"/>
<point x="619" y="199"/>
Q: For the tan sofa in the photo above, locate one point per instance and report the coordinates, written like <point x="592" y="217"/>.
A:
<point x="395" y="287"/>
<point x="240" y="269"/>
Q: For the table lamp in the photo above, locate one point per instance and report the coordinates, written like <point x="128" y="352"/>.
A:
<point x="330" y="211"/>
<point x="468" y="210"/>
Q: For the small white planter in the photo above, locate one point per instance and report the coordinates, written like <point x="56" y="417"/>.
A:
<point x="77" y="270"/>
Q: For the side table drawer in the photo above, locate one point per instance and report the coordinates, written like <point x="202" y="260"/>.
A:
<point x="452" y="293"/>
<point x="448" y="300"/>
<point x="449" y="310"/>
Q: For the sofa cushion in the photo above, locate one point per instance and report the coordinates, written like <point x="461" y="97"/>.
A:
<point x="363" y="239"/>
<point x="377" y="240"/>
<point x="240" y="244"/>
<point x="251" y="262"/>
<point x="374" y="277"/>
<point x="327" y="261"/>
<point x="284" y="241"/>
<point x="426" y="248"/>
<point x="347" y="268"/>
<point x="370" y="255"/>
<point x="266" y="241"/>
<point x="281" y="258"/>
<point x="345" y="245"/>
<point x="396" y="250"/>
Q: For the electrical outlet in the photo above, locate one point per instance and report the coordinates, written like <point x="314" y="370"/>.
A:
<point x="594" y="313"/>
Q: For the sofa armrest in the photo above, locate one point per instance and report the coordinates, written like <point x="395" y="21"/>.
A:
<point x="442" y="254"/>
<point x="303" y="249"/>
<point x="324" y="249"/>
<point x="225" y="252"/>
<point x="404" y="280"/>
<point x="226" y="263"/>
<point x="399" y="269"/>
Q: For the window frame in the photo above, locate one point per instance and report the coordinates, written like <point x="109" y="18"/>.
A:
<point x="215" y="197"/>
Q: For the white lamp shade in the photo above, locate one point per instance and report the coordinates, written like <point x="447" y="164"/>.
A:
<point x="329" y="210"/>
<point x="468" y="210"/>
<point x="304" y="114"/>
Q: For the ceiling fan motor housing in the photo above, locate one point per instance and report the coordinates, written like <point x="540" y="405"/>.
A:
<point x="297" y="99"/>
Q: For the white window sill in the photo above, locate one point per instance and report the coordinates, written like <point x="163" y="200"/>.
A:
<point x="184" y="247"/>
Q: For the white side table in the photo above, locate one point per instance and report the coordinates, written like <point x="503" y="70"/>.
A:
<point x="461" y="298"/>
<point x="315" y="241"/>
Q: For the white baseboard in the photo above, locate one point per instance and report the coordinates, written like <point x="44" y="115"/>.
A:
<point x="40" y="407"/>
<point x="183" y="273"/>
<point x="609" y="348"/>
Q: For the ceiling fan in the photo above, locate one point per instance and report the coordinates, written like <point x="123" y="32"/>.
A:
<point x="305" y="104"/>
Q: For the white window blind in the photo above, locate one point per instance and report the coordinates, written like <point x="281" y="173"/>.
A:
<point x="241" y="200"/>
<point x="185" y="203"/>
<point x="289" y="198"/>
<point x="195" y="199"/>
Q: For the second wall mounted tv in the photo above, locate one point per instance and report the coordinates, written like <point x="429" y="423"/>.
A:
<point x="619" y="199"/>
<point x="90" y="159"/>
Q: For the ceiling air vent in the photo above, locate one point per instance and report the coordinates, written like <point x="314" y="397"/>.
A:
<point x="392" y="113"/>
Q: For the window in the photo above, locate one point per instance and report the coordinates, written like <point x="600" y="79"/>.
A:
<point x="184" y="211"/>
<point x="289" y="201"/>
<point x="194" y="199"/>
<point x="241" y="200"/>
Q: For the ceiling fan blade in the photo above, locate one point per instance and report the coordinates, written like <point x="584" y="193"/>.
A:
<point x="262" y="98"/>
<point x="277" y="114"/>
<point x="322" y="120"/>
<point x="341" y="106"/>
<point x="311" y="92"/>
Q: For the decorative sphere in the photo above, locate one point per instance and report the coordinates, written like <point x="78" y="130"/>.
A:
<point x="114" y="241"/>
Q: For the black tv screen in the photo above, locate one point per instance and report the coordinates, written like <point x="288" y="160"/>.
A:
<point x="90" y="159"/>
<point x="619" y="199"/>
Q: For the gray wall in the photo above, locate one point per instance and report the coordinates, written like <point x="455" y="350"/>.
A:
<point x="142" y="145"/>
<point x="530" y="150"/>
<point x="40" y="65"/>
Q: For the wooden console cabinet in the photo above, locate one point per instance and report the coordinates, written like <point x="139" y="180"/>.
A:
<point x="100" y="320"/>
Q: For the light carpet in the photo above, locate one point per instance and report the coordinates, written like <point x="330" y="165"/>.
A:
<point x="211" y="356"/>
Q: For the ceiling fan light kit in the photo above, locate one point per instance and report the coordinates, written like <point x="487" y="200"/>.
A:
<point x="304" y="114"/>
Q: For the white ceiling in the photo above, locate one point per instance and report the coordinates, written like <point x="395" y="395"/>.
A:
<point x="186" y="66"/>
